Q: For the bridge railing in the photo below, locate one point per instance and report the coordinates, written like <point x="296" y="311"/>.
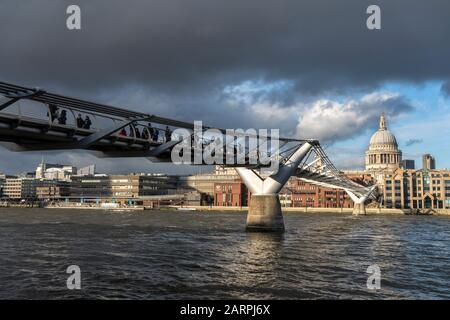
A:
<point x="321" y="171"/>
<point x="24" y="113"/>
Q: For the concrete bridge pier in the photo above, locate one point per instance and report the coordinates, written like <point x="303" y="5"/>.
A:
<point x="264" y="212"/>
<point x="359" y="209"/>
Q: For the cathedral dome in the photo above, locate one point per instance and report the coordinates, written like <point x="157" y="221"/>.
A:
<point x="383" y="154"/>
<point x="383" y="138"/>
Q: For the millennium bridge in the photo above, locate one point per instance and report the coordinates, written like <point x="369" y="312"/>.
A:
<point x="32" y="119"/>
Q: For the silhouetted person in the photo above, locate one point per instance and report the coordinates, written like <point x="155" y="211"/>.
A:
<point x="156" y="135"/>
<point x="144" y="133"/>
<point x="53" y="112"/>
<point x="87" y="123"/>
<point x="80" y="122"/>
<point x="151" y="131"/>
<point x="137" y="133"/>
<point x="123" y="132"/>
<point x="62" y="119"/>
<point x="168" y="134"/>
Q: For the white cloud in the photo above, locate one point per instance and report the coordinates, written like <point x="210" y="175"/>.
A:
<point x="329" y="120"/>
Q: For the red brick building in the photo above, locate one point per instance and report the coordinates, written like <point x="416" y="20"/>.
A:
<point x="303" y="194"/>
<point x="295" y="193"/>
<point x="333" y="198"/>
<point x="231" y="194"/>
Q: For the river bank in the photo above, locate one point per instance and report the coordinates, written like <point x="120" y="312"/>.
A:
<point x="286" y="210"/>
<point x="386" y="211"/>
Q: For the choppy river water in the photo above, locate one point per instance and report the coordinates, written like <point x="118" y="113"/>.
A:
<point x="193" y="255"/>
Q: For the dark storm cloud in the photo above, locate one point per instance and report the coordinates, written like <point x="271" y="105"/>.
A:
<point x="191" y="45"/>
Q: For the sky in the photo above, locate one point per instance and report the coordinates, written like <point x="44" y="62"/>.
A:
<point x="310" y="68"/>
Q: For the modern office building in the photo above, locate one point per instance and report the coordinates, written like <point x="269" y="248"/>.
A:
<point x="205" y="183"/>
<point x="86" y="171"/>
<point x="408" y="164"/>
<point x="120" y="187"/>
<point x="428" y="162"/>
<point x="19" y="188"/>
<point x="47" y="189"/>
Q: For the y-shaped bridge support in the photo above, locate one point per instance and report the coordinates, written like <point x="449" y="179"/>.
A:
<point x="264" y="212"/>
<point x="359" y="206"/>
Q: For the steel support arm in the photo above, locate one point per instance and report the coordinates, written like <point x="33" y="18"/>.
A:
<point x="16" y="97"/>
<point x="95" y="137"/>
<point x="274" y="183"/>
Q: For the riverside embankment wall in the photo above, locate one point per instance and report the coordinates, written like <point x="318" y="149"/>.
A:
<point x="331" y="210"/>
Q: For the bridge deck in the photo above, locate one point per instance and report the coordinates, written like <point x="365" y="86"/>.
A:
<point x="23" y="133"/>
<point x="37" y="134"/>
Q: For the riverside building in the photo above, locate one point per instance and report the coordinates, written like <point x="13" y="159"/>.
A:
<point x="2" y="183"/>
<point x="399" y="184"/>
<point x="233" y="193"/>
<point x="61" y="172"/>
<point x="47" y="189"/>
<point x="120" y="188"/>
<point x="417" y="189"/>
<point x="300" y="194"/>
<point x="19" y="188"/>
<point x="205" y="183"/>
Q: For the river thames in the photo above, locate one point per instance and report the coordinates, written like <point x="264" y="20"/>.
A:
<point x="194" y="255"/>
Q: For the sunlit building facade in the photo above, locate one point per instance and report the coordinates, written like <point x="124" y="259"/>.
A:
<point x="417" y="189"/>
<point x="121" y="186"/>
<point x="19" y="188"/>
